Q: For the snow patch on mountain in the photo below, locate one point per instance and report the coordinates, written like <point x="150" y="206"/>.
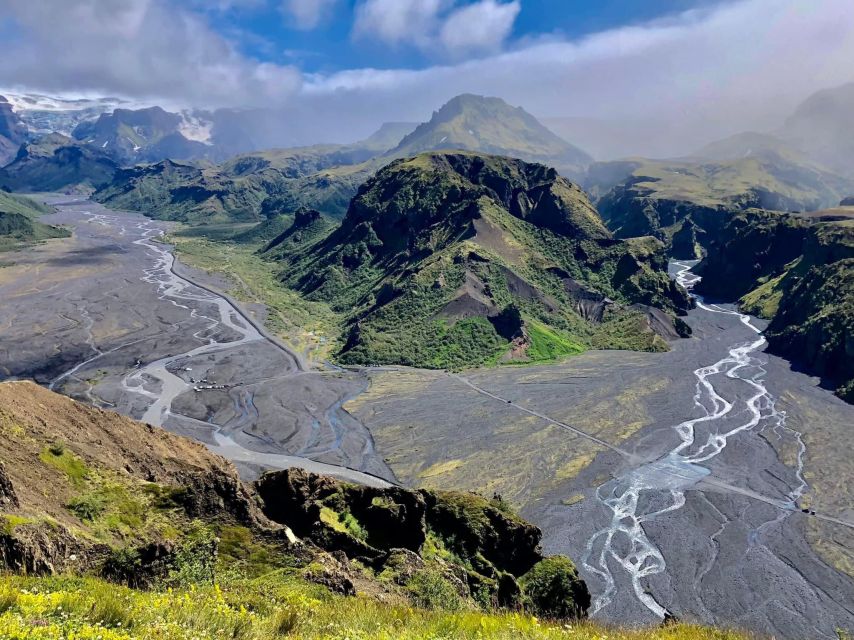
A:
<point x="195" y="127"/>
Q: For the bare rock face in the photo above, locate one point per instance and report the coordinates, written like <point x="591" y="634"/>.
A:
<point x="482" y="532"/>
<point x="39" y="548"/>
<point x="8" y="497"/>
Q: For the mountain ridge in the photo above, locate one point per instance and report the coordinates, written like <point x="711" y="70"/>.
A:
<point x="438" y="254"/>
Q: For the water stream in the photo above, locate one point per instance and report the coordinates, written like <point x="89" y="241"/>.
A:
<point x="658" y="488"/>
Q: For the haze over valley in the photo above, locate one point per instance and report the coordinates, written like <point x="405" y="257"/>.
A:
<point x="416" y="319"/>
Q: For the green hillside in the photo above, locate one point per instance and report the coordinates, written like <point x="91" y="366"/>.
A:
<point x="18" y="224"/>
<point x="457" y="259"/>
<point x="239" y="190"/>
<point x="326" y="177"/>
<point x="688" y="199"/>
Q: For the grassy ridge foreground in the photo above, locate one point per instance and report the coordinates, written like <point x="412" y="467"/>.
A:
<point x="273" y="606"/>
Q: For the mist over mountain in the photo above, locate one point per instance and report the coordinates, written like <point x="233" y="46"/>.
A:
<point x="823" y="127"/>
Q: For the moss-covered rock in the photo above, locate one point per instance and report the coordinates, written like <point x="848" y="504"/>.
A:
<point x="435" y="543"/>
<point x="553" y="589"/>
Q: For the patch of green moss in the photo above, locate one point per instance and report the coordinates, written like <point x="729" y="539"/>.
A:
<point x="10" y="521"/>
<point x="65" y="461"/>
<point x="548" y="345"/>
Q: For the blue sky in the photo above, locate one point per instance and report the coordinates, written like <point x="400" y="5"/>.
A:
<point x="264" y="29"/>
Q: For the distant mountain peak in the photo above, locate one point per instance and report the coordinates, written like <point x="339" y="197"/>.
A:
<point x="489" y="125"/>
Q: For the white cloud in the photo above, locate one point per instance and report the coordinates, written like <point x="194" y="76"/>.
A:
<point x="398" y="21"/>
<point x="483" y="26"/>
<point x="308" y="14"/>
<point x="149" y="49"/>
<point x="437" y="26"/>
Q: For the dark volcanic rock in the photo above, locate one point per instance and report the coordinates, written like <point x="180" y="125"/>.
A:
<point x="390" y="518"/>
<point x="479" y="530"/>
<point x="798" y="275"/>
<point x="42" y="548"/>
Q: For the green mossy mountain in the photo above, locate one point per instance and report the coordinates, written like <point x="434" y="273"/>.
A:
<point x="246" y="188"/>
<point x="19" y="226"/>
<point x="684" y="202"/>
<point x="491" y="126"/>
<point x="457" y="259"/>
<point x="798" y="273"/>
<point x="57" y="163"/>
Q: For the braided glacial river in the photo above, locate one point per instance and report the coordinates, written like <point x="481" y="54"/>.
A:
<point x="624" y="543"/>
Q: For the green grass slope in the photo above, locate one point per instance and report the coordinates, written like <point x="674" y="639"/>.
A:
<point x="57" y="163"/>
<point x="458" y="259"/>
<point x="18" y="224"/>
<point x="247" y="188"/>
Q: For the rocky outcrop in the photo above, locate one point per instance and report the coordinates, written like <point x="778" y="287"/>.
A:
<point x="397" y="532"/>
<point x="847" y="202"/>
<point x="387" y="518"/>
<point x="146" y="508"/>
<point x="42" y="548"/>
<point x="750" y="246"/>
<point x="475" y="529"/>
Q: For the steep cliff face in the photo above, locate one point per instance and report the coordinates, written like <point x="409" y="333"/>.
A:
<point x="750" y="246"/>
<point x="799" y="274"/>
<point x="484" y="550"/>
<point x="454" y="259"/>
<point x="13" y="132"/>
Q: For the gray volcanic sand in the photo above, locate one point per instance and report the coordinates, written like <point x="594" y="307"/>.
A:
<point x="738" y="552"/>
<point x="77" y="315"/>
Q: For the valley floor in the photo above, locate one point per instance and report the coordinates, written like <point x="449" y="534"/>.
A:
<point x="580" y="447"/>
